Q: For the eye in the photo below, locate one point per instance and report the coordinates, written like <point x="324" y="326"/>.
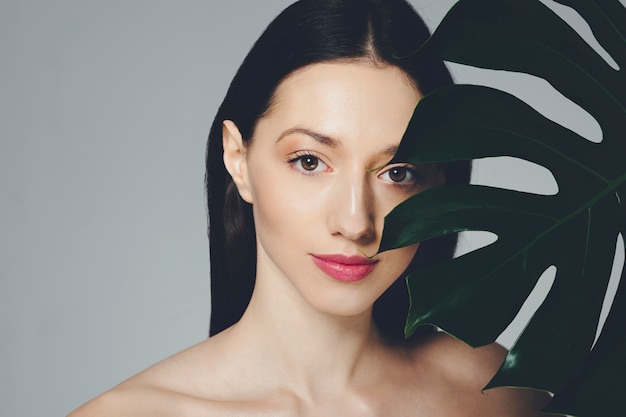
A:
<point x="308" y="163"/>
<point x="399" y="174"/>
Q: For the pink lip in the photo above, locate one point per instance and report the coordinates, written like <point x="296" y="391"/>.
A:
<point x="345" y="268"/>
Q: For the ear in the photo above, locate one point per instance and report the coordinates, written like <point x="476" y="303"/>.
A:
<point x="235" y="158"/>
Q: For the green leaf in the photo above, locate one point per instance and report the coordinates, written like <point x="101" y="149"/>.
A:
<point x="474" y="297"/>
<point x="596" y="390"/>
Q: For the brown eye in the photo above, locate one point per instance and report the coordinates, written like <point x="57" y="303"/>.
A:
<point x="309" y="163"/>
<point x="397" y="174"/>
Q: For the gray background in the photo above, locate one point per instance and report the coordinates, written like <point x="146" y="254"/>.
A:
<point x="105" y="108"/>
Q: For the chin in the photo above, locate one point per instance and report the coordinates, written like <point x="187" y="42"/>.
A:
<point x="343" y="304"/>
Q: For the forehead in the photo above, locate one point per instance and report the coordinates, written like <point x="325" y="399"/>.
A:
<point x="344" y="99"/>
<point x="356" y="77"/>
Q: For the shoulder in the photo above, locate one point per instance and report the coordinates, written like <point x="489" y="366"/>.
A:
<point x="166" y="388"/>
<point x="153" y="401"/>
<point x="117" y="402"/>
<point x="456" y="359"/>
<point x="141" y="395"/>
<point x="203" y="380"/>
<point x="464" y="370"/>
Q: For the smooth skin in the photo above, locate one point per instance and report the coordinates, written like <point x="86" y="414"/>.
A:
<point x="317" y="175"/>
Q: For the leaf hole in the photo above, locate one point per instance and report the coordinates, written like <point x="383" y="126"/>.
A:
<point x="472" y="240"/>
<point x="537" y="93"/>
<point x="616" y="271"/>
<point x="532" y="303"/>
<point x="514" y="174"/>
<point x="580" y="25"/>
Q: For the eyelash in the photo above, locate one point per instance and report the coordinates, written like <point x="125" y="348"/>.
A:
<point x="300" y="156"/>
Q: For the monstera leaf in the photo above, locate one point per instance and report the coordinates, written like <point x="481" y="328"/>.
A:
<point x="474" y="297"/>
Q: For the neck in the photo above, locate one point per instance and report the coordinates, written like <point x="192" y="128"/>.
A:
<point x="304" y="350"/>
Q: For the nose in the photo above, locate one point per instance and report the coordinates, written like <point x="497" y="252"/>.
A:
<point x="352" y="213"/>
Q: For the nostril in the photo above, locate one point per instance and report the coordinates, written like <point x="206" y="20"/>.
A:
<point x="356" y="226"/>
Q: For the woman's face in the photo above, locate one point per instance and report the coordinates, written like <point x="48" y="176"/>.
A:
<point x="317" y="175"/>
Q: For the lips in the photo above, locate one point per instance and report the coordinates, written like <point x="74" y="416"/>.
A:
<point x="345" y="268"/>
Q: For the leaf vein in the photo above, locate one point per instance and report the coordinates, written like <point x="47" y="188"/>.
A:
<point x="555" y="151"/>
<point x="586" y="73"/>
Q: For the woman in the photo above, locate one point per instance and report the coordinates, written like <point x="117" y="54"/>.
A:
<point x="307" y="319"/>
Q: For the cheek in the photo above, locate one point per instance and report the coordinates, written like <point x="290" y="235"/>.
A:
<point x="280" y="204"/>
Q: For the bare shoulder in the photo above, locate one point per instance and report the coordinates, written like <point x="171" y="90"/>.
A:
<point x="157" y="391"/>
<point x="466" y="371"/>
<point x="203" y="380"/>
<point x="123" y="402"/>
<point x="154" y="401"/>
<point x="176" y="386"/>
<point x="460" y="361"/>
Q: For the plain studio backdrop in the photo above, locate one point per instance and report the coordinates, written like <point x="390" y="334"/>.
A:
<point x="105" y="110"/>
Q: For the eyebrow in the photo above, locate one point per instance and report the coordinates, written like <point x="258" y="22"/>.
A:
<point x="390" y="151"/>
<point x="323" y="139"/>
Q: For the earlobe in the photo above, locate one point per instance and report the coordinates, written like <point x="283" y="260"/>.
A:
<point x="235" y="158"/>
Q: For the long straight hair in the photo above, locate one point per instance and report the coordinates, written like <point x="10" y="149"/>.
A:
<point x="308" y="32"/>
